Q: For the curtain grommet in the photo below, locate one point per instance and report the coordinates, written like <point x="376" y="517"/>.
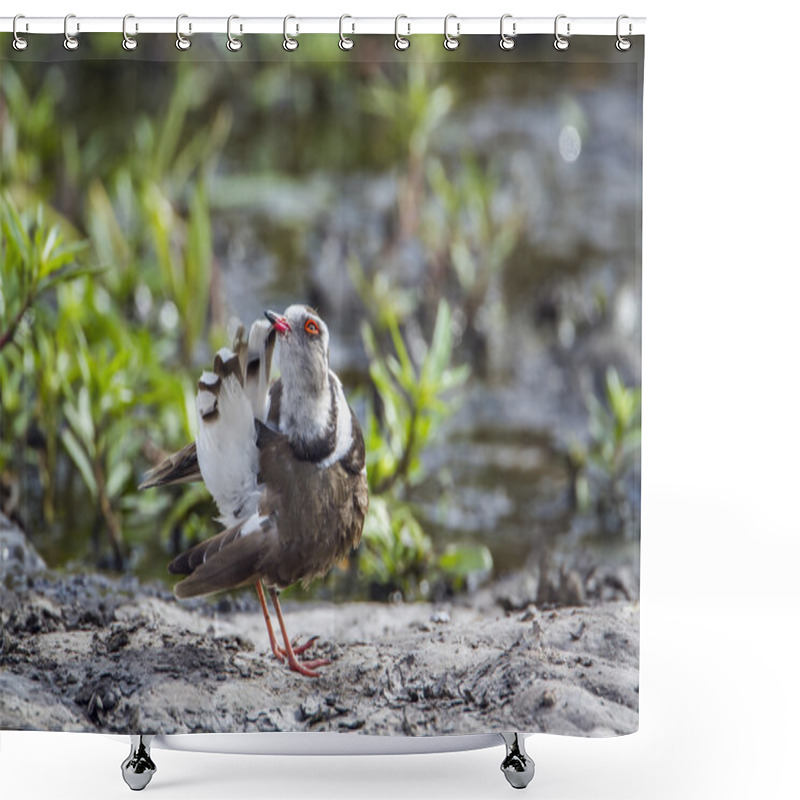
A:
<point x="401" y="42"/>
<point x="182" y="42"/>
<point x="70" y="41"/>
<point x="345" y="42"/>
<point x="233" y="44"/>
<point x="507" y="42"/>
<point x="290" y="43"/>
<point x="128" y="42"/>
<point x="623" y="44"/>
<point x="451" y="42"/>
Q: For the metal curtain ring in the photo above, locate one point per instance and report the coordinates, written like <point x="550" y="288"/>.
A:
<point x="290" y="44"/>
<point x="70" y="42"/>
<point x="451" y="42"/>
<point x="401" y="42"/>
<point x="19" y="43"/>
<point x="622" y="43"/>
<point x="182" y="42"/>
<point x="507" y="42"/>
<point x="128" y="42"/>
<point x="233" y="44"/>
<point x="561" y="43"/>
<point x="345" y="42"/>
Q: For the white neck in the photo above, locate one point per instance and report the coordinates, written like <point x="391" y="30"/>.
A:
<point x="305" y="415"/>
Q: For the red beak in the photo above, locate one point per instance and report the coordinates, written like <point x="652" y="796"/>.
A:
<point x="278" y="322"/>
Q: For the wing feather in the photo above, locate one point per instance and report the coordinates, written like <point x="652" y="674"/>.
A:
<point x="180" y="467"/>
<point x="227" y="560"/>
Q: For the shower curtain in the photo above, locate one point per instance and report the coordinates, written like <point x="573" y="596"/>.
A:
<point x="458" y="234"/>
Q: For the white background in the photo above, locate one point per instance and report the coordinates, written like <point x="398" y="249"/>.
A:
<point x="720" y="598"/>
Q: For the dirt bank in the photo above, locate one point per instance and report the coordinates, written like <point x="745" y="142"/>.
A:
<point x="87" y="653"/>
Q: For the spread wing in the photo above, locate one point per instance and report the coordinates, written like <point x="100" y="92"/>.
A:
<point x="255" y="362"/>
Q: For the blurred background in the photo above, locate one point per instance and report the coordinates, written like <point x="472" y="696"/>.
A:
<point x="467" y="226"/>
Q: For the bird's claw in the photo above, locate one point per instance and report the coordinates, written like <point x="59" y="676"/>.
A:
<point x="301" y="648"/>
<point x="307" y="667"/>
<point x="281" y="654"/>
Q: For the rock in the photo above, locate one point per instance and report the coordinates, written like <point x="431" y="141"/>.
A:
<point x="17" y="555"/>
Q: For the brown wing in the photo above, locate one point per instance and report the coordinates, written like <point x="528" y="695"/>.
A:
<point x="180" y="467"/>
<point x="227" y="560"/>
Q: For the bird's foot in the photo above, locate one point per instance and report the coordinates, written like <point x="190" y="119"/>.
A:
<point x="306" y="667"/>
<point x="299" y="649"/>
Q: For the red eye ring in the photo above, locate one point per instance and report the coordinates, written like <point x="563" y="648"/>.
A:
<point x="311" y="327"/>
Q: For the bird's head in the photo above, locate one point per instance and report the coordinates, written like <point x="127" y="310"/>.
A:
<point x="304" y="343"/>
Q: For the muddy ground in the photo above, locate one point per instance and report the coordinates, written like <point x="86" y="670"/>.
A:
<point x="89" y="653"/>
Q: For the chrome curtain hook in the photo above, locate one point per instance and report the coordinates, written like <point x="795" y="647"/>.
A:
<point x="70" y="42"/>
<point x="345" y="42"/>
<point x="507" y="42"/>
<point x="401" y="42"/>
<point x="19" y="43"/>
<point x="561" y="43"/>
<point x="290" y="44"/>
<point x="623" y="44"/>
<point x="451" y="42"/>
<point x="182" y="42"/>
<point x="233" y="44"/>
<point x="128" y="42"/>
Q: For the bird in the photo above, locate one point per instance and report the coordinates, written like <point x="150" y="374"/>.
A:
<point x="285" y="463"/>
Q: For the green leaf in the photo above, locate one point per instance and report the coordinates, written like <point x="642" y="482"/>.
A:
<point x="464" y="560"/>
<point x="117" y="478"/>
<point x="80" y="419"/>
<point x="81" y="460"/>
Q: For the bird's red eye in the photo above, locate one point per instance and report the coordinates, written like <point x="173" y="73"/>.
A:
<point x="312" y="327"/>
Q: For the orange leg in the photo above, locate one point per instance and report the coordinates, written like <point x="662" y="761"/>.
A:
<point x="273" y="642"/>
<point x="306" y="669"/>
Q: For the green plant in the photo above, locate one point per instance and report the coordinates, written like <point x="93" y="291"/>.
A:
<point x="152" y="216"/>
<point x="414" y="109"/>
<point x="80" y="385"/>
<point x="396" y="553"/>
<point x="411" y="398"/>
<point x="464" y="228"/>
<point x="615" y="429"/>
<point x="469" y="237"/>
<point x="95" y="365"/>
<point x="599" y="469"/>
<point x="32" y="141"/>
<point x="33" y="262"/>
